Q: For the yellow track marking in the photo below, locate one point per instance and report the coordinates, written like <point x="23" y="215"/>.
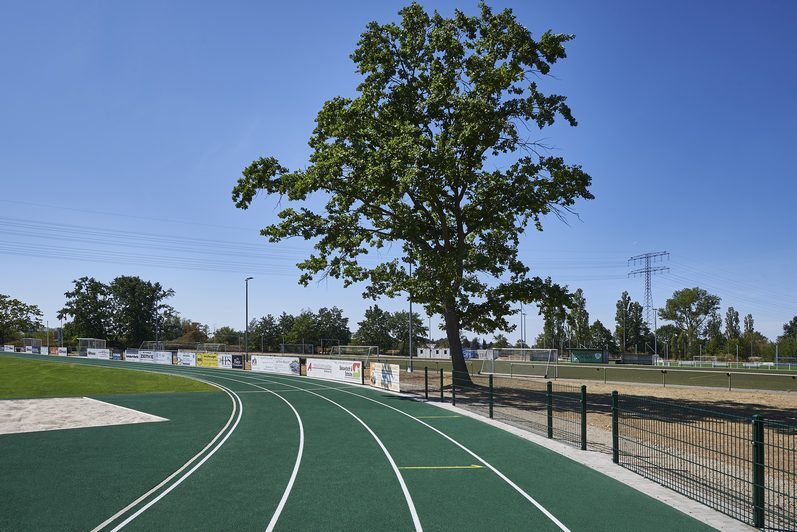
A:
<point x="472" y="466"/>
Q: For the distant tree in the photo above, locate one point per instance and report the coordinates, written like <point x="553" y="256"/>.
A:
<point x="409" y="161"/>
<point x="475" y="344"/>
<point x="668" y="335"/>
<point x="732" y="329"/>
<point x="688" y="309"/>
<point x="621" y="319"/>
<point x="303" y="329"/>
<point x="715" y="338"/>
<point x="265" y="334"/>
<point x="749" y="325"/>
<point x="500" y="341"/>
<point x="88" y="309"/>
<point x="17" y="317"/>
<point x="578" y="319"/>
<point x="138" y="309"/>
<point x="228" y="335"/>
<point x="790" y="328"/>
<point x="399" y="326"/>
<point x="630" y="327"/>
<point x="374" y="329"/>
<point x="193" y="332"/>
<point x="333" y="326"/>
<point x="600" y="336"/>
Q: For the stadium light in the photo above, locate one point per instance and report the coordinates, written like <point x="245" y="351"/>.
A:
<point x="246" y="330"/>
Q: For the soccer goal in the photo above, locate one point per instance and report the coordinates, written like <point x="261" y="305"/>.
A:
<point x="211" y="348"/>
<point x="360" y="351"/>
<point x="497" y="360"/>
<point x="152" y="345"/>
<point x="84" y="344"/>
<point x="705" y="360"/>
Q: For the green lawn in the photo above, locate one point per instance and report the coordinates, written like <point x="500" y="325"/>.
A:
<point x="33" y="378"/>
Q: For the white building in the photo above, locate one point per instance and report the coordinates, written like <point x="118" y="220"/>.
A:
<point x="433" y="352"/>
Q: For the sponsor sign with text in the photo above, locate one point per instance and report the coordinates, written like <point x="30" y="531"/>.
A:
<point x="8" y="348"/>
<point x="237" y="362"/>
<point x="385" y="376"/>
<point x="162" y="357"/>
<point x="336" y="370"/>
<point x="225" y="361"/>
<point x="132" y="355"/>
<point x="186" y="358"/>
<point x="207" y="360"/>
<point x="62" y="351"/>
<point x="102" y="354"/>
<point x="282" y="365"/>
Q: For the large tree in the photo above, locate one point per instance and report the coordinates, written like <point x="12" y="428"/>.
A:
<point x="578" y="320"/>
<point x="435" y="156"/>
<point x="138" y="309"/>
<point x="689" y="309"/>
<point x="89" y="309"/>
<point x="732" y="330"/>
<point x="374" y="329"/>
<point x="16" y="317"/>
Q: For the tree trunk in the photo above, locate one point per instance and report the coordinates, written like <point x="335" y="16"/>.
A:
<point x="460" y="375"/>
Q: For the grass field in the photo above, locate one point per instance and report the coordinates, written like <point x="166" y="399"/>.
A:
<point x="28" y="378"/>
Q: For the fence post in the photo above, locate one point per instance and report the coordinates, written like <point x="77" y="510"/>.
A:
<point x="758" y="471"/>
<point x="441" y="385"/>
<point x="549" y="401"/>
<point x="583" y="417"/>
<point x="664" y="378"/>
<point x="491" y="394"/>
<point x="426" y="383"/>
<point x="453" y="389"/>
<point x="729" y="380"/>
<point x="615" y="428"/>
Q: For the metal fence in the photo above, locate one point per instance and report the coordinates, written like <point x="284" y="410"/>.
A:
<point x="551" y="409"/>
<point x="745" y="467"/>
<point x="742" y="467"/>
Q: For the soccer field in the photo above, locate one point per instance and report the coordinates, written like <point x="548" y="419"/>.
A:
<point x="268" y="451"/>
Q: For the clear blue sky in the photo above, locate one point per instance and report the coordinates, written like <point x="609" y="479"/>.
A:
<point x="124" y="126"/>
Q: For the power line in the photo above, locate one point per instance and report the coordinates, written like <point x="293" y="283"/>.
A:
<point x="647" y="271"/>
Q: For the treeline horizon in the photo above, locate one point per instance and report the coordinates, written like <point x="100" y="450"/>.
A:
<point x="129" y="311"/>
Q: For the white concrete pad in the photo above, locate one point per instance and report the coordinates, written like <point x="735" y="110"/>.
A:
<point x="34" y="415"/>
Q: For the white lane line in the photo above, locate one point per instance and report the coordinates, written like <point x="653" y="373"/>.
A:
<point x="503" y="477"/>
<point x="188" y="473"/>
<point x="517" y="488"/>
<point x="188" y="463"/>
<point x="285" y="494"/>
<point x="411" y="505"/>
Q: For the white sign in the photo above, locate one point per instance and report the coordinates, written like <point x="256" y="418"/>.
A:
<point x="336" y="370"/>
<point x="8" y="348"/>
<point x="62" y="351"/>
<point x="225" y="361"/>
<point x="185" y="358"/>
<point x="146" y="356"/>
<point x="102" y="354"/>
<point x="29" y="349"/>
<point x="132" y="355"/>
<point x="385" y="376"/>
<point x="282" y="365"/>
<point x="162" y="357"/>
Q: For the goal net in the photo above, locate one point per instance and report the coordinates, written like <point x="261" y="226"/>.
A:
<point x="354" y="351"/>
<point x="297" y="349"/>
<point x="523" y="354"/>
<point x="32" y="342"/>
<point x="152" y="345"/>
<point x="84" y="344"/>
<point x="211" y="348"/>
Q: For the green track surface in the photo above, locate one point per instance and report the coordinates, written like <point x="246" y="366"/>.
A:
<point x="74" y="479"/>
<point x="21" y="377"/>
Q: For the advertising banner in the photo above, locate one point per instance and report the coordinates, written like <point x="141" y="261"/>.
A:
<point x="146" y="356"/>
<point x="225" y="361"/>
<point x="132" y="355"/>
<point x="589" y="356"/>
<point x="116" y="356"/>
<point x="162" y="357"/>
<point x="207" y="360"/>
<point x="29" y="349"/>
<point x="336" y="370"/>
<point x="8" y="348"/>
<point x="237" y="362"/>
<point x="385" y="376"/>
<point x="186" y="358"/>
<point x="282" y="365"/>
<point x="62" y="351"/>
<point x="53" y="350"/>
<point x="102" y="354"/>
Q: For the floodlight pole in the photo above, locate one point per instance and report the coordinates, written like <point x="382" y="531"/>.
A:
<point x="410" y="328"/>
<point x="246" y="330"/>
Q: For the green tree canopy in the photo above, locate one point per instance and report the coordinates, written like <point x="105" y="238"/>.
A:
<point x="374" y="329"/>
<point x="88" y="308"/>
<point x="790" y="328"/>
<point x="17" y="317"/>
<point x="413" y="159"/>
<point x="688" y="309"/>
<point x="602" y="337"/>
<point x="732" y="329"/>
<point x="138" y="309"/>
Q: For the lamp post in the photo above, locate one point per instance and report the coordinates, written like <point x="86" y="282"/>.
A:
<point x="409" y="345"/>
<point x="246" y="330"/>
